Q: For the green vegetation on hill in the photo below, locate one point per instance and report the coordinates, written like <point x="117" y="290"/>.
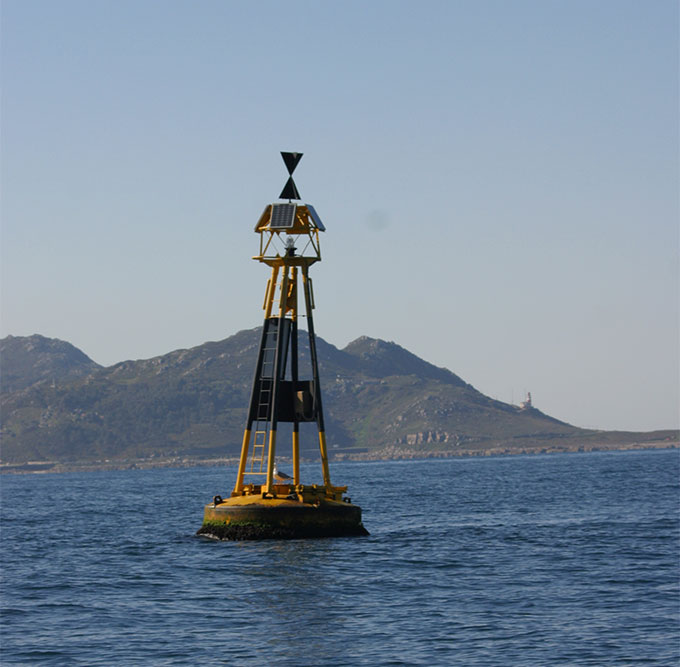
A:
<point x="379" y="400"/>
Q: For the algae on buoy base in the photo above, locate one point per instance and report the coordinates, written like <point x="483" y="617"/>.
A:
<point x="292" y="513"/>
<point x="281" y="519"/>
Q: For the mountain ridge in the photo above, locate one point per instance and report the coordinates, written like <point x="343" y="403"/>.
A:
<point x="30" y="359"/>
<point x="380" y="400"/>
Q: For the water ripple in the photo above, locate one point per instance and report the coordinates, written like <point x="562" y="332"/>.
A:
<point x="565" y="559"/>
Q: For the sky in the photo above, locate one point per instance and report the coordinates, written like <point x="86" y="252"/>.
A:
<point x="498" y="180"/>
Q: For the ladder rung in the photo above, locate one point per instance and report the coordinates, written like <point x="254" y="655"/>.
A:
<point x="259" y="453"/>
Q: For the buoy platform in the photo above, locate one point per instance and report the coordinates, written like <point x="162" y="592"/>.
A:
<point x="291" y="512"/>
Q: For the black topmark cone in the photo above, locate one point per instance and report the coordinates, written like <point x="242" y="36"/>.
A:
<point x="289" y="191"/>
<point x="291" y="161"/>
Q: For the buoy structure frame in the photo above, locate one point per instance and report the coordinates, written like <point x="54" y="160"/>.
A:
<point x="286" y="275"/>
<point x="260" y="506"/>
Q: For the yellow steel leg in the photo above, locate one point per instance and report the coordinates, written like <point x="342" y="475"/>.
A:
<point x="324" y="460"/>
<point x="271" y="292"/>
<point x="270" y="461"/>
<point x="296" y="457"/>
<point x="238" y="489"/>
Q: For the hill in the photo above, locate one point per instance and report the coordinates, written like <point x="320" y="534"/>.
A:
<point x="380" y="401"/>
<point x="28" y="360"/>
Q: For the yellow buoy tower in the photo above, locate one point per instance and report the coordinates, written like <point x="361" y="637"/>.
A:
<point x="266" y="503"/>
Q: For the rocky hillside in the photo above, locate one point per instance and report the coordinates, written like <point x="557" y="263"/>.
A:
<point x="379" y="400"/>
<point x="29" y="360"/>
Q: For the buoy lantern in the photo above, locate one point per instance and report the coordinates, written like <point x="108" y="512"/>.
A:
<point x="267" y="503"/>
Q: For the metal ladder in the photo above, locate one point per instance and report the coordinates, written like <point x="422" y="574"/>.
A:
<point x="258" y="459"/>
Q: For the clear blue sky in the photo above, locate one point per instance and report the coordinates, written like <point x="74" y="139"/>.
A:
<point x="499" y="181"/>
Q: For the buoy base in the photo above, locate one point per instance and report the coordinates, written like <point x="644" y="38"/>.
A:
<point x="252" y="517"/>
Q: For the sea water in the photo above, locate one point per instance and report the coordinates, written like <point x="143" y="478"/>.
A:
<point x="527" y="560"/>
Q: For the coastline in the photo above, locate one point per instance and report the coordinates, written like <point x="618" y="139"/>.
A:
<point x="385" y="454"/>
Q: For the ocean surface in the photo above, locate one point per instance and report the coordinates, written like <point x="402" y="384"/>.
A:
<point x="567" y="559"/>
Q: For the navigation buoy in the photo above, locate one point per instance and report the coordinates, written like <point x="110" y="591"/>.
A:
<point x="266" y="503"/>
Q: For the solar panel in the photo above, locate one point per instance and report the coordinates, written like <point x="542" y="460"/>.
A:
<point x="315" y="218"/>
<point x="283" y="216"/>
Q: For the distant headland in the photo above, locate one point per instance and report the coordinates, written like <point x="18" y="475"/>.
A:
<point x="62" y="411"/>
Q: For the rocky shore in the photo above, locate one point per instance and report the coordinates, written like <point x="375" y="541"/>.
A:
<point x="390" y="453"/>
